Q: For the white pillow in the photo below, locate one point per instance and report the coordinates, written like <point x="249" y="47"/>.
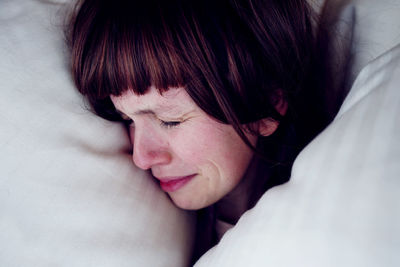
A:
<point x="69" y="194"/>
<point x="341" y="206"/>
<point x="376" y="30"/>
<point x="371" y="28"/>
<point x="359" y="32"/>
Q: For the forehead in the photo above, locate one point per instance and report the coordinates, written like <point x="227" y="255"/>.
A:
<point x="172" y="100"/>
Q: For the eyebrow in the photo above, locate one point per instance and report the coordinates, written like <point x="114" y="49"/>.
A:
<point x="139" y="112"/>
<point x="144" y="112"/>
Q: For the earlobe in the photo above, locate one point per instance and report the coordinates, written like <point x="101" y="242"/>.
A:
<point x="267" y="126"/>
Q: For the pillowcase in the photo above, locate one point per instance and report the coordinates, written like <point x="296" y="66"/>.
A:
<point x="376" y="31"/>
<point x="358" y="31"/>
<point x="341" y="206"/>
<point x="69" y="193"/>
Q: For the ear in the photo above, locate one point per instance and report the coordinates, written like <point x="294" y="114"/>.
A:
<point x="268" y="126"/>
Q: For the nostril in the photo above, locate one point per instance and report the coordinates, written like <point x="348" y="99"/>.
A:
<point x="147" y="159"/>
<point x="141" y="161"/>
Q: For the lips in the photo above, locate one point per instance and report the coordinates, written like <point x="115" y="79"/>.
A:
<point x="172" y="184"/>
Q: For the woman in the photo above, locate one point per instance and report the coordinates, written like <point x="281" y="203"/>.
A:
<point x="220" y="96"/>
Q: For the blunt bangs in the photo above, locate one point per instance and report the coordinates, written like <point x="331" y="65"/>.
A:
<point x="117" y="47"/>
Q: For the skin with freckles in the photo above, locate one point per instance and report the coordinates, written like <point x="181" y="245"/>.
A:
<point x="174" y="138"/>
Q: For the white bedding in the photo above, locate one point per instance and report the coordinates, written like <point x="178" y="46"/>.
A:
<point x="69" y="194"/>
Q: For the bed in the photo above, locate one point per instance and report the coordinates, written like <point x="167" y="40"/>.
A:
<point x="70" y="196"/>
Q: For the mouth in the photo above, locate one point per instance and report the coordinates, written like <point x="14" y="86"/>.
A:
<point x="171" y="184"/>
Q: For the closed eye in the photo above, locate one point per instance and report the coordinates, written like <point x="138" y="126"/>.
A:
<point x="125" y="119"/>
<point x="169" y="124"/>
<point x="128" y="122"/>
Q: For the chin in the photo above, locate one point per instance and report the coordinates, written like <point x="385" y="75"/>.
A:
<point x="189" y="204"/>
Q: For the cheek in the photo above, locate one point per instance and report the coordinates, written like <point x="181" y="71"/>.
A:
<point x="194" y="144"/>
<point x="213" y="143"/>
<point x="220" y="156"/>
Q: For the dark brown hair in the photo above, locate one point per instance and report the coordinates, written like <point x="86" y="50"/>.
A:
<point x="233" y="57"/>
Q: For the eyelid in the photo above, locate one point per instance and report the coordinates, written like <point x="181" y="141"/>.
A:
<point x="170" y="124"/>
<point x="126" y="120"/>
<point x="123" y="116"/>
<point x="166" y="123"/>
<point x="129" y="122"/>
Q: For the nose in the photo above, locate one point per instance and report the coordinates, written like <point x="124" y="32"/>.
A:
<point x="149" y="147"/>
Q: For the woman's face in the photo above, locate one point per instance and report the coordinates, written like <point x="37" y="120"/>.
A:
<point x="196" y="159"/>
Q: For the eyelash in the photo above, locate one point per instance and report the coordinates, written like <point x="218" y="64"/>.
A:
<point x="169" y="124"/>
<point x="128" y="122"/>
<point x="165" y="124"/>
